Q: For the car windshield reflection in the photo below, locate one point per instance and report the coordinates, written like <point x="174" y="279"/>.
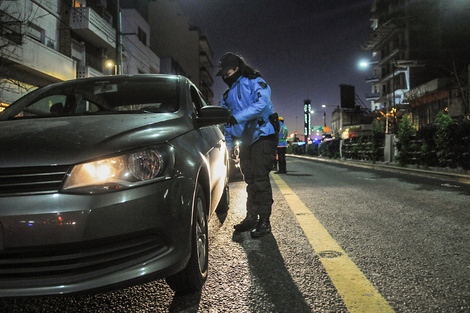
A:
<point x="102" y="97"/>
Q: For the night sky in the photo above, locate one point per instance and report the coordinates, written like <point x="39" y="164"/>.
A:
<point x="303" y="48"/>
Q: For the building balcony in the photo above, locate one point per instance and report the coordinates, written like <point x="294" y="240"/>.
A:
<point x="35" y="58"/>
<point x="390" y="58"/>
<point x="204" y="59"/>
<point x="206" y="75"/>
<point x="138" y="58"/>
<point x="93" y="28"/>
<point x="374" y="60"/>
<point x="372" y="78"/>
<point x="394" y="98"/>
<point x="372" y="96"/>
<point x="205" y="46"/>
<point x="206" y="91"/>
<point x="88" y="71"/>
<point x="379" y="35"/>
<point x="394" y="72"/>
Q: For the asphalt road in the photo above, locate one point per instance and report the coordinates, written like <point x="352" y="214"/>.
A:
<point x="408" y="235"/>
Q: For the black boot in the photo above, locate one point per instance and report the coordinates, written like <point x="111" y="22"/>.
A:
<point x="262" y="228"/>
<point x="247" y="224"/>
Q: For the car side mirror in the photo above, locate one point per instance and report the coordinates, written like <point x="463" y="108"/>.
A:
<point x="212" y="115"/>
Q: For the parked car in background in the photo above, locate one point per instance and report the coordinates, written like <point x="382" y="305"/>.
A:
<point x="109" y="181"/>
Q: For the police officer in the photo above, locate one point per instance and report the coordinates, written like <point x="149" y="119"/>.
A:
<point x="282" y="147"/>
<point x="249" y="99"/>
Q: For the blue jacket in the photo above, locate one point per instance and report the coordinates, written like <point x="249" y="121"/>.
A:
<point x="249" y="101"/>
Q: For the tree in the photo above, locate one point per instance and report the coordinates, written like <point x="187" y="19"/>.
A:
<point x="13" y="26"/>
<point x="443" y="137"/>
<point x="377" y="140"/>
<point x="406" y="131"/>
<point x="427" y="134"/>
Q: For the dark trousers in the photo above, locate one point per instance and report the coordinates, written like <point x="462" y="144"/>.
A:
<point x="256" y="162"/>
<point x="281" y="158"/>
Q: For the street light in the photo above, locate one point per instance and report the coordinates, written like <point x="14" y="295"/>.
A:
<point x="364" y="64"/>
<point x="111" y="65"/>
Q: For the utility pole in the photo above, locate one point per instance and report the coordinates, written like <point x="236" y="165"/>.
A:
<point x="118" y="40"/>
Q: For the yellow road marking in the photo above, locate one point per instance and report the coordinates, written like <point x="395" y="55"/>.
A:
<point x="356" y="291"/>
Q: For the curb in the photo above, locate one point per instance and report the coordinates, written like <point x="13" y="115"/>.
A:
<point x="462" y="178"/>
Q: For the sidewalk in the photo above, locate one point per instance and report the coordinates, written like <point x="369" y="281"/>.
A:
<point x="458" y="175"/>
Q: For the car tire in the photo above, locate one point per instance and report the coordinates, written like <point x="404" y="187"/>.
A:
<point x="193" y="277"/>
<point x="224" y="203"/>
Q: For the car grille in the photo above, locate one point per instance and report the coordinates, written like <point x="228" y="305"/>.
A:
<point x="31" y="180"/>
<point x="80" y="259"/>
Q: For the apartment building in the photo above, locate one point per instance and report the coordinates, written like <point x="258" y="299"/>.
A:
<point x="46" y="41"/>
<point x="413" y="43"/>
<point x="181" y="46"/>
<point x="137" y="55"/>
<point x="206" y="68"/>
<point x="30" y="47"/>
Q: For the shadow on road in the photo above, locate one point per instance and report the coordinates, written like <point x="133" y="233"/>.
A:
<point x="187" y="303"/>
<point x="292" y="173"/>
<point x="271" y="281"/>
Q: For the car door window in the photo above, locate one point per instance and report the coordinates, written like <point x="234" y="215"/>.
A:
<point x="87" y="106"/>
<point x="48" y="106"/>
<point x="197" y="101"/>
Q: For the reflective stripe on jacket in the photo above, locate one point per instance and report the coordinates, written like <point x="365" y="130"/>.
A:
<point x="249" y="101"/>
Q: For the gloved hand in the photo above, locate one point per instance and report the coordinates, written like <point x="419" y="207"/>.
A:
<point x="232" y="121"/>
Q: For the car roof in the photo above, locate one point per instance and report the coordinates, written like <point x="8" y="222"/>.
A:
<point x="122" y="78"/>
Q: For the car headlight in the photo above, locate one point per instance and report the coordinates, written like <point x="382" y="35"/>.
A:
<point x="120" y="172"/>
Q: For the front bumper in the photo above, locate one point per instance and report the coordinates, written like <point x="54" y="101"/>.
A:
<point x="62" y="243"/>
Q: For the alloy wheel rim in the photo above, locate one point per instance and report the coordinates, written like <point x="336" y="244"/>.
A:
<point x="201" y="235"/>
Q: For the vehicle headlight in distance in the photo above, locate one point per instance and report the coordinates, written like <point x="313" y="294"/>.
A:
<point x="120" y="172"/>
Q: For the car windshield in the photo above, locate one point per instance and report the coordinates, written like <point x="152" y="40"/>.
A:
<point x="106" y="96"/>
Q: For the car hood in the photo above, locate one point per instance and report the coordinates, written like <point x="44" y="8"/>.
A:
<point x="71" y="140"/>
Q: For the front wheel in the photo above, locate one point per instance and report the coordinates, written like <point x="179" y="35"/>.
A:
<point x="193" y="277"/>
